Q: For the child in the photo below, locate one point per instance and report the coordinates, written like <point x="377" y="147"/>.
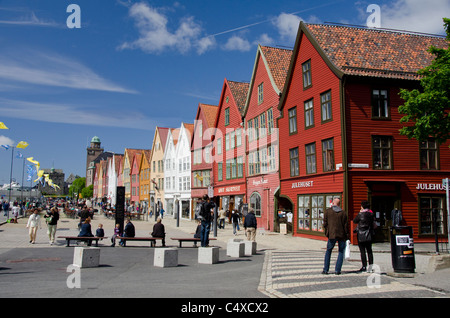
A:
<point x="100" y="232"/>
<point x="116" y="234"/>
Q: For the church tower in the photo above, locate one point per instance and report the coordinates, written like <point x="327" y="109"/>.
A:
<point x="92" y="153"/>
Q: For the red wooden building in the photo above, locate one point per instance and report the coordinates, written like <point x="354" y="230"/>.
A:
<point x="260" y="113"/>
<point x="201" y="151"/>
<point x="339" y="125"/>
<point x="229" y="149"/>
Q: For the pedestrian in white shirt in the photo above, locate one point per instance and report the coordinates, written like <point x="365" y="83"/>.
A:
<point x="15" y="211"/>
<point x="34" y="221"/>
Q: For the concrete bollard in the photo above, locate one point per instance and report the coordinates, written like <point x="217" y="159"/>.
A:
<point x="250" y="248"/>
<point x="165" y="257"/>
<point x="85" y="257"/>
<point x="208" y="255"/>
<point x="235" y="249"/>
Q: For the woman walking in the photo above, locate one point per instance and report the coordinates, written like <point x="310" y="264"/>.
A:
<point x="365" y="233"/>
<point x="34" y="221"/>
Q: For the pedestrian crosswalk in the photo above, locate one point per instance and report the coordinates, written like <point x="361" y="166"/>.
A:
<point x="298" y="274"/>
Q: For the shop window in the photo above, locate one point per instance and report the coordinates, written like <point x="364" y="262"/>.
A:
<point x="255" y="203"/>
<point x="428" y="206"/>
<point x="311" y="210"/>
<point x="429" y="155"/>
<point x="382" y="152"/>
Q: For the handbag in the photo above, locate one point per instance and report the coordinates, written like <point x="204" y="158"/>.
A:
<point x="347" y="249"/>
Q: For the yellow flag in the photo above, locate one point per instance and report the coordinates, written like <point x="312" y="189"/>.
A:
<point x="3" y="126"/>
<point x="22" y="144"/>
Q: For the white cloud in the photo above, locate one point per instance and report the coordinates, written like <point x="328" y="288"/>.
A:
<point x="53" y="70"/>
<point x="30" y="20"/>
<point x="415" y="15"/>
<point x="264" y="39"/>
<point x="287" y="25"/>
<point x="6" y="141"/>
<point x="236" y="43"/>
<point x="155" y="35"/>
<point x="72" y="114"/>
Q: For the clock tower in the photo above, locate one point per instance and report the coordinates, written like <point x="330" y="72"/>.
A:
<point x="93" y="151"/>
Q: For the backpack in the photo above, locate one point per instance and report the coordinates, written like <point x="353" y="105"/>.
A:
<point x="200" y="212"/>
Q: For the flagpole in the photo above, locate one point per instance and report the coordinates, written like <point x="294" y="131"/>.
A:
<point x="10" y="178"/>
<point x="23" y="172"/>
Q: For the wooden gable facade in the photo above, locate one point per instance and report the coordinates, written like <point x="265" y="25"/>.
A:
<point x="340" y="129"/>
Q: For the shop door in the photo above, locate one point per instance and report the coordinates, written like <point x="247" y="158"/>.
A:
<point x="382" y="207"/>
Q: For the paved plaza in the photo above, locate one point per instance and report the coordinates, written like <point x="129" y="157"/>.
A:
<point x="283" y="267"/>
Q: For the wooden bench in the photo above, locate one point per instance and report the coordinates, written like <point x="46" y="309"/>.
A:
<point x="188" y="239"/>
<point x="151" y="239"/>
<point x="82" y="238"/>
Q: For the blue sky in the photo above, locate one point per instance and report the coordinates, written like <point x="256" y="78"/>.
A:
<point x="136" y="64"/>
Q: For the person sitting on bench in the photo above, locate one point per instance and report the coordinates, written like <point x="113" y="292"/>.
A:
<point x="159" y="231"/>
<point x="85" y="230"/>
<point x="128" y="231"/>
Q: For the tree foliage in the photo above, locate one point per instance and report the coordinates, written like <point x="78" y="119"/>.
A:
<point x="427" y="110"/>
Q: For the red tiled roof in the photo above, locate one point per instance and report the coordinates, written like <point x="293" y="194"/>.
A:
<point x="210" y="112"/>
<point x="278" y="61"/>
<point x="239" y="91"/>
<point x="376" y="53"/>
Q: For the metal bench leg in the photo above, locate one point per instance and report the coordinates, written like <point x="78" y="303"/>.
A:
<point x="68" y="242"/>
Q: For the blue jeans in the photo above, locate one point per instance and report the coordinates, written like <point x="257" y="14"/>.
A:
<point x="340" y="259"/>
<point x="204" y="233"/>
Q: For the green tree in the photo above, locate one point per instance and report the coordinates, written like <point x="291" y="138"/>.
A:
<point x="427" y="110"/>
<point x="88" y="192"/>
<point x="77" y="186"/>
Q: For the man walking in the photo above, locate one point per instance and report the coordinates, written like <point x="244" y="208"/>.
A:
<point x="336" y="229"/>
<point x="250" y="225"/>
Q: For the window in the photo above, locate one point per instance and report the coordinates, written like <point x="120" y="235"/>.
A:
<point x="238" y="137"/>
<point x="382" y="152"/>
<point x="328" y="154"/>
<point x="200" y="130"/>
<point x="293" y="157"/>
<point x="380" y="104"/>
<point x="292" y="120"/>
<point x="311" y="158"/>
<point x="262" y="126"/>
<point x="240" y="166"/>
<point x="311" y="210"/>
<point x="250" y="130"/>
<point x="219" y="146"/>
<point x="227" y="141"/>
<point x="255" y="203"/>
<point x="427" y="206"/>
<point x="256" y="125"/>
<point x="260" y="93"/>
<point x="227" y="116"/>
<point x="325" y="101"/>
<point x="219" y="171"/>
<point x="309" y="114"/>
<point x="232" y="139"/>
<point x="271" y="154"/>
<point x="306" y="68"/>
<point x="269" y="121"/>
<point x="428" y="155"/>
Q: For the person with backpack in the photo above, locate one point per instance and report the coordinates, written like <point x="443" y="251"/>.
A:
<point x="205" y="215"/>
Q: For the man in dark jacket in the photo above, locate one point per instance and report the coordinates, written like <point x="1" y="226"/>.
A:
<point x="207" y="215"/>
<point x="128" y="231"/>
<point x="335" y="223"/>
<point x="250" y="225"/>
<point x="159" y="231"/>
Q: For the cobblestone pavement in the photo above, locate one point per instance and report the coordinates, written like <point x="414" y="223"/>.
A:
<point x="298" y="274"/>
<point x="292" y="265"/>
